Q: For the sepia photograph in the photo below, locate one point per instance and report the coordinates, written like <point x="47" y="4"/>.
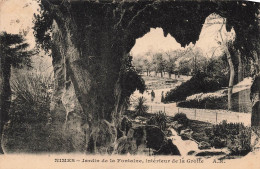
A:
<point x="129" y="84"/>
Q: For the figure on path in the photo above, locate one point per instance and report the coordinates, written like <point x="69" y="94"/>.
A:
<point x="152" y="96"/>
<point x="162" y="98"/>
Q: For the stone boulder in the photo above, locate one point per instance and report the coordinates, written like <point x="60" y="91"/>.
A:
<point x="168" y="148"/>
<point x="211" y="153"/>
<point x="104" y="135"/>
<point x="176" y="126"/>
<point x="125" y="145"/>
<point x="126" y="124"/>
<point x="168" y="133"/>
<point x="204" y="145"/>
<point x="142" y="139"/>
<point x="120" y="133"/>
<point x="186" y="134"/>
<point x="140" y="120"/>
<point x="150" y="136"/>
<point x="192" y="152"/>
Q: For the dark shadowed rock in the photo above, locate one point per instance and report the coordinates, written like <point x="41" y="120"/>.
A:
<point x="125" y="145"/>
<point x="168" y="148"/>
<point x="204" y="145"/>
<point x="210" y="153"/>
<point x="154" y="137"/>
<point x="142" y="137"/>
<point x="192" y="152"/>
<point x="186" y="134"/>
<point x="126" y="124"/>
<point x="104" y="136"/>
<point x="120" y="133"/>
<point x="176" y="126"/>
<point x="168" y="133"/>
<point x="140" y="120"/>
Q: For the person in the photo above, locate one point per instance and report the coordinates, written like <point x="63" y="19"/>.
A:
<point x="152" y="95"/>
<point x="162" y="98"/>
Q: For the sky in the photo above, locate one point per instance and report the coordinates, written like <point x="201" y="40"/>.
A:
<point x="209" y="36"/>
<point x="154" y="41"/>
<point x="17" y="15"/>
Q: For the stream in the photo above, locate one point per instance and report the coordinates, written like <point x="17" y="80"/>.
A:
<point x="184" y="146"/>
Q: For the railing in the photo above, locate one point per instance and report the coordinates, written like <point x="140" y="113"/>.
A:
<point x="217" y="116"/>
<point x="206" y="115"/>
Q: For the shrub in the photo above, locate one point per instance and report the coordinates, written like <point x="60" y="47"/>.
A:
<point x="141" y="108"/>
<point x="240" y="144"/>
<point x="218" y="103"/>
<point x="208" y="103"/>
<point x="27" y="130"/>
<point x="197" y="84"/>
<point x="32" y="97"/>
<point x="235" y="136"/>
<point x="159" y="119"/>
<point x="181" y="118"/>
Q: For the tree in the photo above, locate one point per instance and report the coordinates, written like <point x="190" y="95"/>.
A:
<point x="226" y="45"/>
<point x="199" y="61"/>
<point x="185" y="66"/>
<point x="159" y="63"/>
<point x="12" y="53"/>
<point x="147" y="66"/>
<point x="170" y="65"/>
<point x="184" y="59"/>
<point x="138" y="64"/>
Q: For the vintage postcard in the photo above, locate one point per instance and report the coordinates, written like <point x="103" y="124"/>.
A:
<point x="129" y="84"/>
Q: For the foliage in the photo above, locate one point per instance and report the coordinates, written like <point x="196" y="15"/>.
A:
<point x="197" y="84"/>
<point x="140" y="107"/>
<point x="170" y="63"/>
<point x="181" y="118"/>
<point x="12" y="48"/>
<point x="32" y="96"/>
<point x="159" y="62"/>
<point x="138" y="65"/>
<point x="214" y="76"/>
<point x="43" y="27"/>
<point x="199" y="129"/>
<point x="12" y="53"/>
<point x="132" y="115"/>
<point x="208" y="103"/>
<point x="28" y="129"/>
<point x="185" y="67"/>
<point x="218" y="69"/>
<point x="159" y="119"/>
<point x="129" y="78"/>
<point x="235" y="136"/>
<point x="147" y="66"/>
<point x="219" y="103"/>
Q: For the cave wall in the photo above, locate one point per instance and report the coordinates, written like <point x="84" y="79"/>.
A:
<point x="89" y="41"/>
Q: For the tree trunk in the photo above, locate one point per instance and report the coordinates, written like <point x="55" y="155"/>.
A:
<point x="255" y="93"/>
<point x="5" y="100"/>
<point x="161" y="73"/>
<point x="170" y="75"/>
<point x="231" y="77"/>
<point x="240" y="78"/>
<point x="240" y="67"/>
